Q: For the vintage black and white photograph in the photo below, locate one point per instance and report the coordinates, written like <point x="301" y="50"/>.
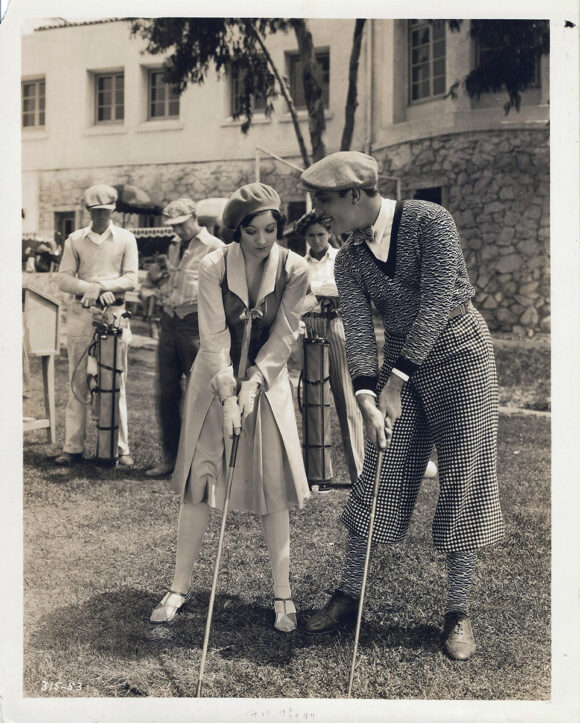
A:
<point x="287" y="338"/>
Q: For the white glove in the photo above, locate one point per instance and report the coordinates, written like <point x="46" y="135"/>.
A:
<point x="248" y="394"/>
<point x="232" y="417"/>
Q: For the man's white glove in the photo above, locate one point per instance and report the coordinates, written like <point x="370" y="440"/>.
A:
<point x="248" y="394"/>
<point x="232" y="417"/>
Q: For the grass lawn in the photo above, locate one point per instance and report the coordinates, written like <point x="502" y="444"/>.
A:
<point x="99" y="546"/>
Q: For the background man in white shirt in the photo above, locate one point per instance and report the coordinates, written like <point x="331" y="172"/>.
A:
<point x="325" y="321"/>
<point x="99" y="264"/>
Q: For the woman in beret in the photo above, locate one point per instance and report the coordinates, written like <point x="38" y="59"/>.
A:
<point x="249" y="292"/>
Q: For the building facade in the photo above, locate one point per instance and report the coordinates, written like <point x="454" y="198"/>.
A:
<point x="95" y="109"/>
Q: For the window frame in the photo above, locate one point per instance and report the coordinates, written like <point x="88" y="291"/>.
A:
<point x="412" y="26"/>
<point x="114" y="105"/>
<point x="167" y="99"/>
<point x="292" y="59"/>
<point x="235" y="97"/>
<point x="477" y="49"/>
<point x="37" y="111"/>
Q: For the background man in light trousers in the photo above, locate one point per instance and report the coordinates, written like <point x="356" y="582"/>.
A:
<point x="99" y="264"/>
<point x="179" y="330"/>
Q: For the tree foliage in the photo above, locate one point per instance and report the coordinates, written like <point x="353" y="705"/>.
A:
<point x="508" y="57"/>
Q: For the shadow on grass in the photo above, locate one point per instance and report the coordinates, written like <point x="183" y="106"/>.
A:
<point x="117" y="623"/>
<point x="43" y="464"/>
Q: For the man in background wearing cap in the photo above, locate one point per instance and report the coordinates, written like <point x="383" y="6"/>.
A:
<point x="437" y="385"/>
<point x="99" y="264"/>
<point x="179" y="330"/>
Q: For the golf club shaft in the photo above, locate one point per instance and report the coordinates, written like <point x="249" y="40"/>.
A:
<point x="231" y="468"/>
<point x="366" y="567"/>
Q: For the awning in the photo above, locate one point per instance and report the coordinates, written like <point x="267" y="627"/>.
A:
<point x="132" y="199"/>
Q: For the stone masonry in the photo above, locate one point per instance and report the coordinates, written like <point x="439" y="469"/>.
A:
<point x="495" y="183"/>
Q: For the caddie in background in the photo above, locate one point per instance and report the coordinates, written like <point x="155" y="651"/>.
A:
<point x="325" y="321"/>
<point x="179" y="329"/>
<point x="437" y="384"/>
<point x="99" y="264"/>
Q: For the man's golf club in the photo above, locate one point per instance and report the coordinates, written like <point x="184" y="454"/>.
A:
<point x="366" y="567"/>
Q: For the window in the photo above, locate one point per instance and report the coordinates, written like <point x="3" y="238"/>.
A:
<point x="110" y="100"/>
<point x="483" y="53"/>
<point x="163" y="98"/>
<point x="426" y="59"/>
<point x="295" y="73"/>
<point x="64" y="223"/>
<point x="433" y="194"/>
<point x="296" y="209"/>
<point x="258" y="101"/>
<point x="33" y="104"/>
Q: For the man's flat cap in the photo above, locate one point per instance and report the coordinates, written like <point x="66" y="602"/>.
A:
<point x="338" y="171"/>
<point x="178" y="211"/>
<point x="247" y="200"/>
<point x="100" y="196"/>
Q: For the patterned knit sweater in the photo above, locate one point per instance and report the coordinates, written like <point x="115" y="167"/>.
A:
<point x="423" y="279"/>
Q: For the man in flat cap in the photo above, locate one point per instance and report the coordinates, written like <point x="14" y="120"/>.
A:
<point x="437" y="384"/>
<point x="179" y="330"/>
<point x="99" y="264"/>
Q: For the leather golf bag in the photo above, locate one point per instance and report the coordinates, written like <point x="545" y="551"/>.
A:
<point x="109" y="369"/>
<point x="314" y="403"/>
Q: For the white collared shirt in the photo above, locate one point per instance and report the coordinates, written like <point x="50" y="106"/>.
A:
<point x="182" y="285"/>
<point x="98" y="238"/>
<point x="382" y="228"/>
<point x="321" y="273"/>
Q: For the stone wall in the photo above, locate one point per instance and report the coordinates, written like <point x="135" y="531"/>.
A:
<point x="495" y="183"/>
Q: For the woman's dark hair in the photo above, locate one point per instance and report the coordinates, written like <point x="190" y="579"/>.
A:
<point x="247" y="220"/>
<point x="309" y="219"/>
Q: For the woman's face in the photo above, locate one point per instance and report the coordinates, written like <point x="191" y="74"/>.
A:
<point x="258" y="237"/>
<point x="317" y="237"/>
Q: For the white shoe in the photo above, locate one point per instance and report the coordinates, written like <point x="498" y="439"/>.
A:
<point x="431" y="470"/>
<point x="167" y="609"/>
<point x="285" y="615"/>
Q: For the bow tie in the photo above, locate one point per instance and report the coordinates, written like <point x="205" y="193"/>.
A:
<point x="251" y="314"/>
<point x="359" y="235"/>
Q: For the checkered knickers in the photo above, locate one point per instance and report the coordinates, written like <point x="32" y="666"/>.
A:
<point x="450" y="401"/>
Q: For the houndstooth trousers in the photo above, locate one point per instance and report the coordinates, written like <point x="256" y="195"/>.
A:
<point x="450" y="401"/>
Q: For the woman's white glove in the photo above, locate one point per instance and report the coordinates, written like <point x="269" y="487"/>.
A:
<point x="232" y="417"/>
<point x="247" y="399"/>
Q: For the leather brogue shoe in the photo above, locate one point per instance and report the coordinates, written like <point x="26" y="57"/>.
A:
<point x="340" y="610"/>
<point x="458" y="639"/>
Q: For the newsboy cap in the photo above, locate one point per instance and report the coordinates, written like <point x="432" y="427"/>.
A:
<point x="178" y="211"/>
<point x="339" y="171"/>
<point x="249" y="199"/>
<point x="100" y="196"/>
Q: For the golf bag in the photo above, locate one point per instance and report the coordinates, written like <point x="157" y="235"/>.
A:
<point x="104" y="369"/>
<point x="314" y="404"/>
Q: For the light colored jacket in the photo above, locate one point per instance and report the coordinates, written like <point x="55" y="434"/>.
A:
<point x="212" y="368"/>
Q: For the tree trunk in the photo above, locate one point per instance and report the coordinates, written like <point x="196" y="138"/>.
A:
<point x="286" y="93"/>
<point x="312" y="89"/>
<point x="351" y="97"/>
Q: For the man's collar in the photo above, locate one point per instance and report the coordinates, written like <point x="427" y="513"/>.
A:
<point x="313" y="258"/>
<point x="111" y="227"/>
<point x="203" y="235"/>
